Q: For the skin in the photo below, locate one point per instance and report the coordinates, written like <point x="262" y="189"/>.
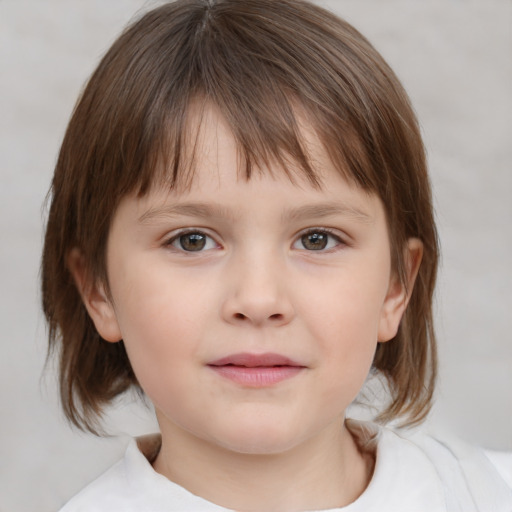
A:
<point x="255" y="287"/>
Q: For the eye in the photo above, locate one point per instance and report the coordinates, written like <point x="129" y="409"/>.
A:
<point x="317" y="240"/>
<point x="192" y="241"/>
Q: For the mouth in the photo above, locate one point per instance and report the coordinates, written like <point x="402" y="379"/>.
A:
<point x="256" y="370"/>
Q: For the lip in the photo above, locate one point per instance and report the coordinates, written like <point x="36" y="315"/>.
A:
<point x="256" y="370"/>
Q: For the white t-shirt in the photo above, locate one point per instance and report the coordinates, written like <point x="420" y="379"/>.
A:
<point x="412" y="474"/>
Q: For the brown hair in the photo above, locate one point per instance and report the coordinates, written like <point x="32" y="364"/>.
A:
<point x="259" y="62"/>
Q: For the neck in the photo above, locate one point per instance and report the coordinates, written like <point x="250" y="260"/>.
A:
<point x="327" y="471"/>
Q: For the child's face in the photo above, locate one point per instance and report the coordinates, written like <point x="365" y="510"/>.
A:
<point x="206" y="281"/>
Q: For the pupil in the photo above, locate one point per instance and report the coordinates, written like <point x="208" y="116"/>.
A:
<point x="192" y="242"/>
<point x="315" y="241"/>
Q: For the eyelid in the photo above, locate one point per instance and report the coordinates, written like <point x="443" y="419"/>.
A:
<point x="176" y="234"/>
<point x="334" y="233"/>
<point x="341" y="238"/>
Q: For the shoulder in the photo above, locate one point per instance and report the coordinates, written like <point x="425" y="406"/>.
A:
<point x="132" y="485"/>
<point x="418" y="471"/>
<point x="502" y="461"/>
<point x="108" y="492"/>
<point x="480" y="480"/>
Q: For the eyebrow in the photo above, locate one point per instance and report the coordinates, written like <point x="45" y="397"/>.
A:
<point x="210" y="210"/>
<point x="202" y="210"/>
<point x="319" y="211"/>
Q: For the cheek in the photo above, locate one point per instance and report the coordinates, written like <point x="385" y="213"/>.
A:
<point x="346" y="314"/>
<point x="344" y="323"/>
<point x="161" y="320"/>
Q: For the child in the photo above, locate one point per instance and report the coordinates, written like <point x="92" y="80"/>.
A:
<point x="241" y="228"/>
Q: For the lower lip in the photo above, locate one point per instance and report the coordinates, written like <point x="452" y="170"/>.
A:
<point x="258" y="376"/>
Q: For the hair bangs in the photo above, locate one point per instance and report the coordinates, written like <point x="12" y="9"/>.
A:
<point x="262" y="93"/>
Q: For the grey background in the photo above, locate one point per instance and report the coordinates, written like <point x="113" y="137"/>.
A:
<point x="455" y="59"/>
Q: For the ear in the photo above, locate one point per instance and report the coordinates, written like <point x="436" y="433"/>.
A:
<point x="94" y="296"/>
<point x="399" y="293"/>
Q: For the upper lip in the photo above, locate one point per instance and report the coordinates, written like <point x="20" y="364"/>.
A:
<point x="255" y="360"/>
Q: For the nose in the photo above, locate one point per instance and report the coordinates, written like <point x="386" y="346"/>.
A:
<point x="257" y="295"/>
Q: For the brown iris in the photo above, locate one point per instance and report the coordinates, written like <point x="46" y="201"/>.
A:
<point x="192" y="241"/>
<point x="315" y="241"/>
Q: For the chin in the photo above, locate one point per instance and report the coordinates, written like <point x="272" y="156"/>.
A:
<point x="260" y="438"/>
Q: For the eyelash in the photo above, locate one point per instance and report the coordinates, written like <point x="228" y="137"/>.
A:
<point x="321" y="231"/>
<point x="175" y="239"/>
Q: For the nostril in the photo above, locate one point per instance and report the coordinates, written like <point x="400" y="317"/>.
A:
<point x="239" y="316"/>
<point x="276" y="316"/>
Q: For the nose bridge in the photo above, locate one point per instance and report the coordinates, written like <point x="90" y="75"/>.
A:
<point x="258" y="292"/>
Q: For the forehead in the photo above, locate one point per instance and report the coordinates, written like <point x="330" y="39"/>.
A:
<point x="218" y="183"/>
<point x="210" y="152"/>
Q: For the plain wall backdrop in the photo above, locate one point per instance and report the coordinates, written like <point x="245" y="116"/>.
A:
<point x="454" y="58"/>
